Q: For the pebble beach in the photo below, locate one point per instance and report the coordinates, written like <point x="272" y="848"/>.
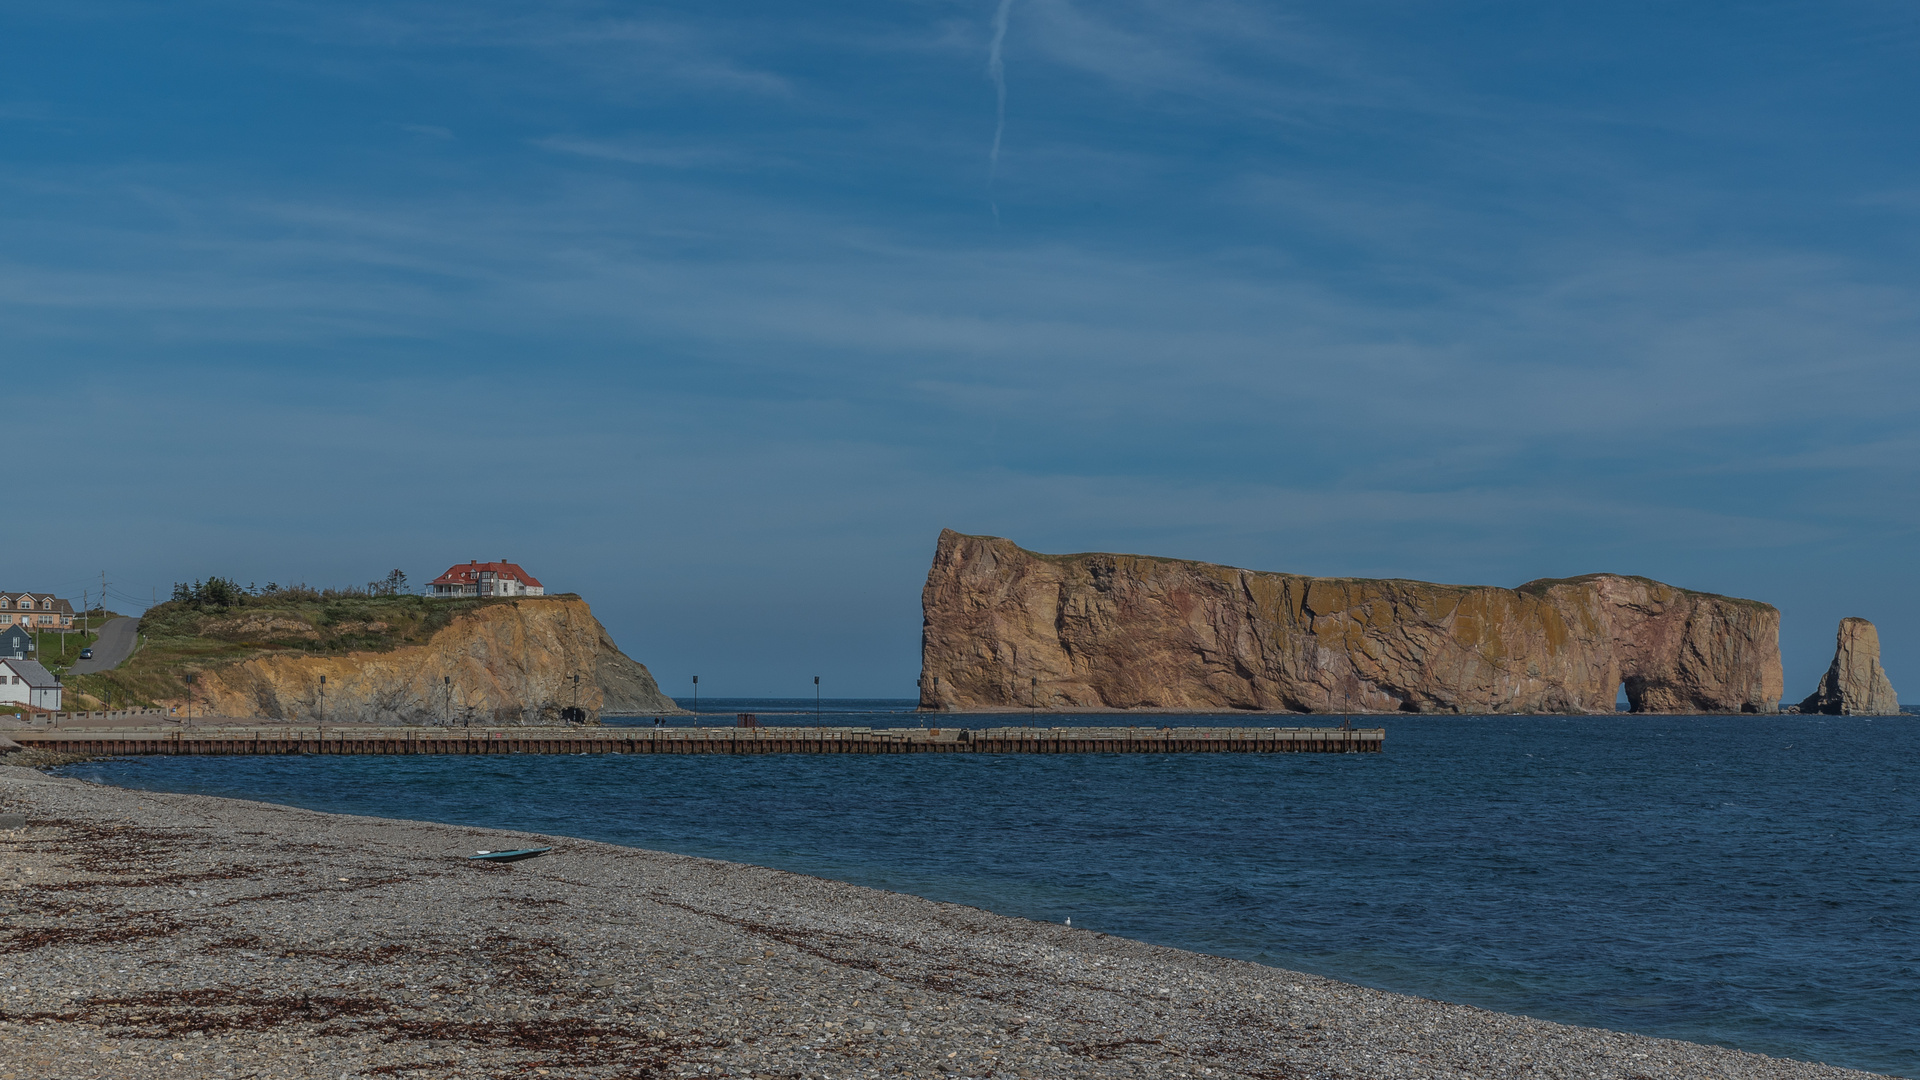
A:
<point x="159" y="935"/>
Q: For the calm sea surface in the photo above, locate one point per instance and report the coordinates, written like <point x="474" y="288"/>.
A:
<point x="1751" y="881"/>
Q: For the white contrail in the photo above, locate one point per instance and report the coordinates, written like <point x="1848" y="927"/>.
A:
<point x="997" y="71"/>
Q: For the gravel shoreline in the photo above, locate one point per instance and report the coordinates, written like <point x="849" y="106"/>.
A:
<point x="157" y="935"/>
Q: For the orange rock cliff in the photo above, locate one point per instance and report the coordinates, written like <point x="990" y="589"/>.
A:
<point x="505" y="663"/>
<point x="1855" y="684"/>
<point x="1006" y="628"/>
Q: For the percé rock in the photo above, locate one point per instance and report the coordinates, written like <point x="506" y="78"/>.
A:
<point x="510" y="663"/>
<point x="1855" y="684"/>
<point x="1007" y="628"/>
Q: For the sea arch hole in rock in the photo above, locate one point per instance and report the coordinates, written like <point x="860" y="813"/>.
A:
<point x="1633" y="690"/>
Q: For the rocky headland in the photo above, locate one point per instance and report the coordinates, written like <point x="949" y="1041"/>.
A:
<point x="1855" y="685"/>
<point x="397" y="660"/>
<point x="1006" y="628"/>
<point x="521" y="662"/>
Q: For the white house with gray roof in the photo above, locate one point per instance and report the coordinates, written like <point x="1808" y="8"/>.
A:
<point x="25" y="682"/>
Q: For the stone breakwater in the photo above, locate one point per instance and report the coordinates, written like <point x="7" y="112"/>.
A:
<point x="523" y="662"/>
<point x="151" y="935"/>
<point x="253" y="740"/>
<point x="1006" y="628"/>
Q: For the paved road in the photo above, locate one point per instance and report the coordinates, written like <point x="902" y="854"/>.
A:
<point x="117" y="638"/>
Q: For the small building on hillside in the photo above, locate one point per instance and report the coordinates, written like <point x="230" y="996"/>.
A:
<point x="17" y="643"/>
<point x="485" y="579"/>
<point x="25" y="682"/>
<point x="38" y="612"/>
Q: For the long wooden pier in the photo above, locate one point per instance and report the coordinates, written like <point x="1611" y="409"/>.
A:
<point x="711" y="740"/>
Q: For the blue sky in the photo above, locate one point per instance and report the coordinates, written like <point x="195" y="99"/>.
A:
<point x="718" y="315"/>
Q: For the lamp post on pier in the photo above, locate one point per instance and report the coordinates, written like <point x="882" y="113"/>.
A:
<point x="696" y="695"/>
<point x="816" y="701"/>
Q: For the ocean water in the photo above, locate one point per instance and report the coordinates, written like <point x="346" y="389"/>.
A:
<point x="1748" y="881"/>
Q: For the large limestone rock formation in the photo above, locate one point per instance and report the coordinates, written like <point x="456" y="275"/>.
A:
<point x="1007" y="628"/>
<point x="508" y="663"/>
<point x="1855" y="685"/>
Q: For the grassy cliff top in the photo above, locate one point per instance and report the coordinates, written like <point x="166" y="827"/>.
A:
<point x="304" y="622"/>
<point x="182" y="636"/>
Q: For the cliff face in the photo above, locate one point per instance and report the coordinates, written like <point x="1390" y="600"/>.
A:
<point x="1855" y="685"/>
<point x="1008" y="628"/>
<point x="508" y="663"/>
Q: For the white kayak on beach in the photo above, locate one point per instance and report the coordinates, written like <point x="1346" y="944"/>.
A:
<point x="510" y="856"/>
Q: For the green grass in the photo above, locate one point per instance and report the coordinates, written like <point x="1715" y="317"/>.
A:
<point x="57" y="652"/>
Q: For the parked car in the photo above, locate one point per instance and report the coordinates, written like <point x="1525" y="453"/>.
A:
<point x="86" y="654"/>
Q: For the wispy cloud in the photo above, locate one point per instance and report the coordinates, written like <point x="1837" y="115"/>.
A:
<point x="27" y="111"/>
<point x="1234" y="55"/>
<point x="617" y="53"/>
<point x="638" y="150"/>
<point x="997" y="73"/>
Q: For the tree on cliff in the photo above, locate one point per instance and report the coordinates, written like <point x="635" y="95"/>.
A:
<point x="213" y="592"/>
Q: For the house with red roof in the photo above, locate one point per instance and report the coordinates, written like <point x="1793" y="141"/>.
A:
<point x="485" y="579"/>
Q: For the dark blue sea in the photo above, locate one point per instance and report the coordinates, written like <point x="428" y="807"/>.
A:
<point x="1749" y="881"/>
